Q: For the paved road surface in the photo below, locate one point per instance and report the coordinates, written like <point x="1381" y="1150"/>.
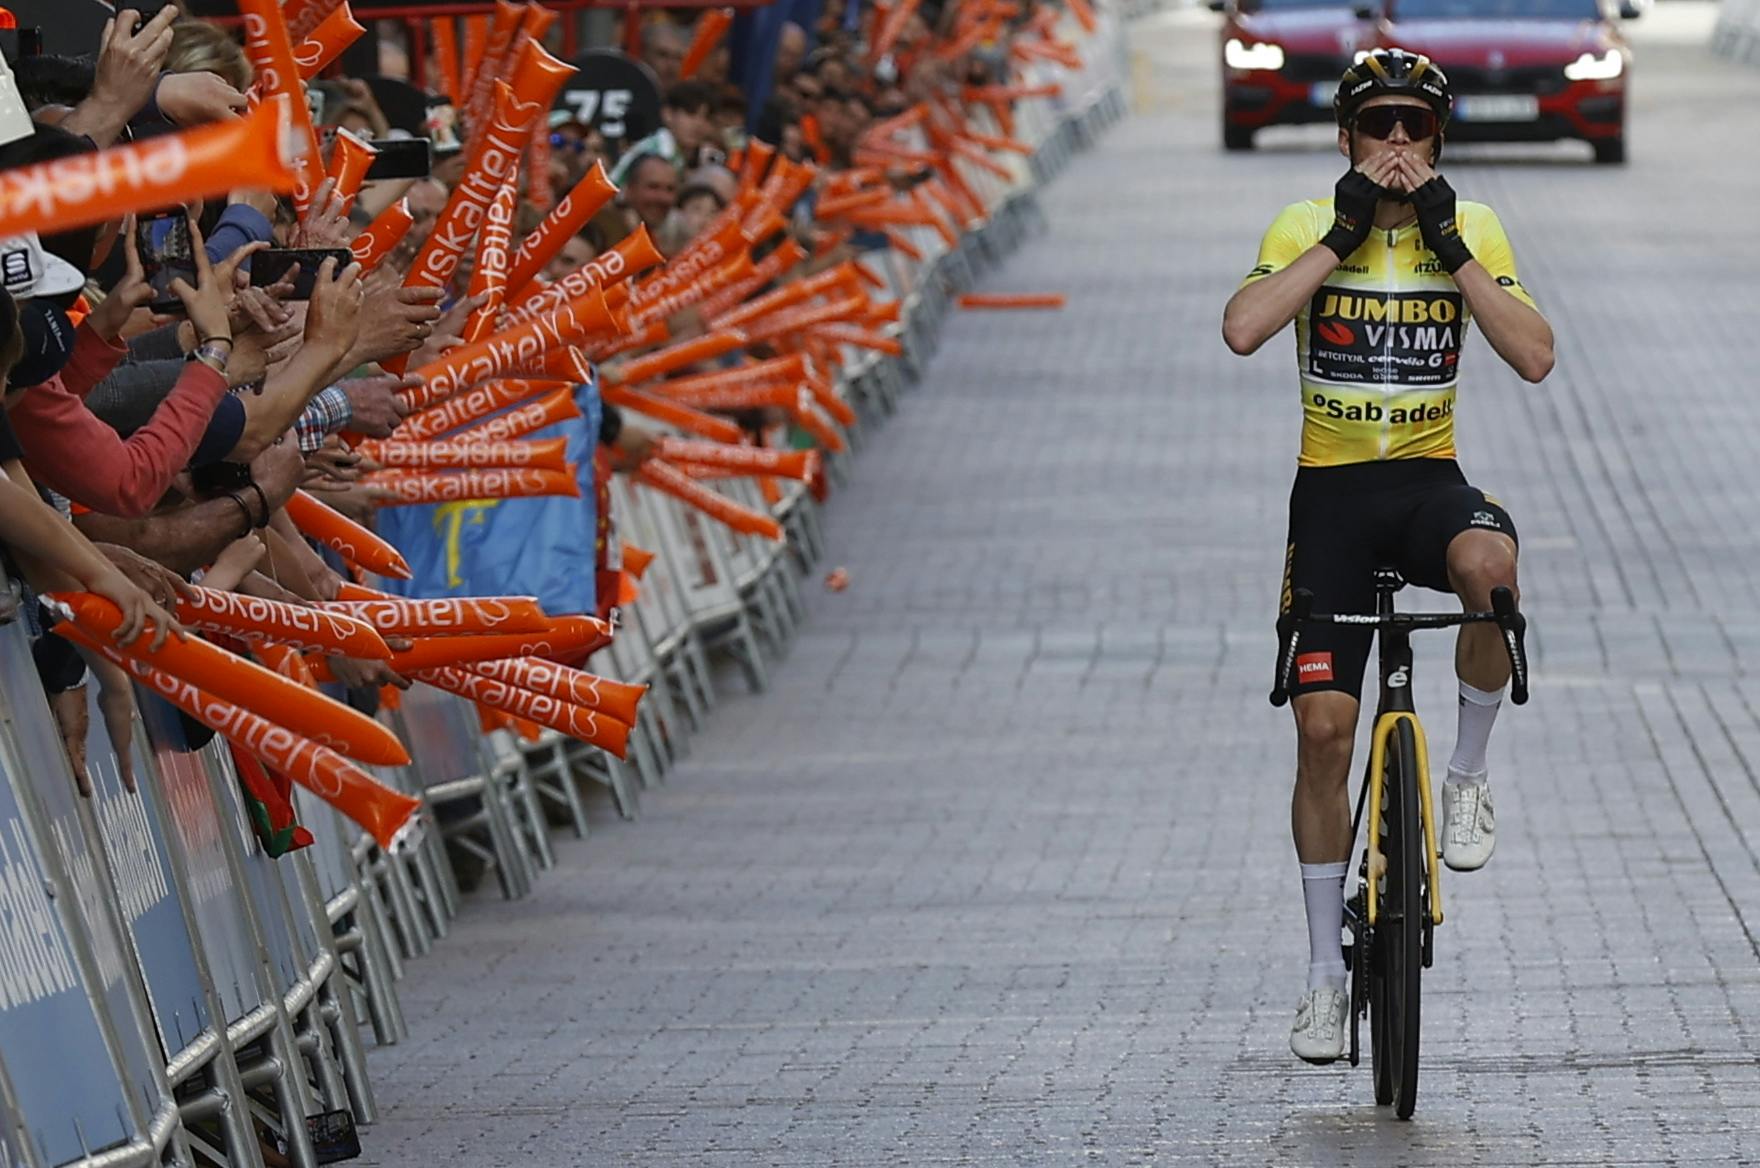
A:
<point x="1000" y="872"/>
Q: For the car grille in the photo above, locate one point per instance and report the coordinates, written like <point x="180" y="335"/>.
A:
<point x="1310" y="67"/>
<point x="1537" y="79"/>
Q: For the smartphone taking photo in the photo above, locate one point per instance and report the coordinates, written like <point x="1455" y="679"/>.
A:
<point x="167" y="254"/>
<point x="270" y="266"/>
<point x="400" y="158"/>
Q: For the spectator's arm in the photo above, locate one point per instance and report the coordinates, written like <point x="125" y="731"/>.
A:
<point x="161" y="344"/>
<point x="239" y="224"/>
<point x="127" y="74"/>
<point x="328" y="413"/>
<point x="76" y="454"/>
<point x="286" y="394"/>
<point x="183" y="540"/>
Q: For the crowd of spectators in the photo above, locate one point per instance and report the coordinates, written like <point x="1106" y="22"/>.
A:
<point x="153" y="435"/>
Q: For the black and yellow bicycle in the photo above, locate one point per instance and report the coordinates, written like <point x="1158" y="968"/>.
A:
<point x="1392" y="915"/>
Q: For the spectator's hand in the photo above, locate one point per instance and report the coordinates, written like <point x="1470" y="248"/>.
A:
<point x="116" y="705"/>
<point x="205" y="304"/>
<point x="130" y="59"/>
<point x="334" y="462"/>
<point x="358" y="501"/>
<point x="394" y="320"/>
<point x="72" y="718"/>
<point x="238" y="560"/>
<point x="333" y="314"/>
<point x="361" y="673"/>
<point x="447" y="330"/>
<point x="255" y="352"/>
<point x="156" y="580"/>
<point x="110" y="318"/>
<point x="139" y="610"/>
<point x="326" y="223"/>
<point x="635" y="445"/>
<point x="192" y="99"/>
<point x="374" y="404"/>
<point x="279" y="470"/>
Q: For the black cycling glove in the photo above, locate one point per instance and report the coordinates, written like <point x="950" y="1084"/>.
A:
<point x="1434" y="203"/>
<point x="1353" y="213"/>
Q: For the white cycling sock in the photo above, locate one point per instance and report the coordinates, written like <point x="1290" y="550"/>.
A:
<point x="1323" y="893"/>
<point x="1478" y="712"/>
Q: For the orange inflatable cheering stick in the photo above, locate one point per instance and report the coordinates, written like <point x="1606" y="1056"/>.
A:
<point x="546" y="411"/>
<point x="473" y="405"/>
<point x="267" y="44"/>
<point x="711" y="27"/>
<point x="541" y="454"/>
<point x="345" y="537"/>
<point x="239" y="681"/>
<point x="613" y="698"/>
<point x="382" y="235"/>
<point x="403" y="616"/>
<point x="563" y="716"/>
<point x="390" y="816"/>
<point x="558" y="227"/>
<point x="252" y="618"/>
<point x="412" y="489"/>
<point x="511" y="348"/>
<point x="349" y="160"/>
<point x="83" y="189"/>
<point x="326" y="42"/>
<point x="665" y="477"/>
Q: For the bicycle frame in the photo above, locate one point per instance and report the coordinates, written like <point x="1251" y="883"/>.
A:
<point x="1394" y="645"/>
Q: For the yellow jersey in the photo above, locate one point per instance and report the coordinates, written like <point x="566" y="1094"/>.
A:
<point x="1378" y="347"/>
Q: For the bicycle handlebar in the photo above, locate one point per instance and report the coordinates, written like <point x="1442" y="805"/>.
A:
<point x="1510" y="622"/>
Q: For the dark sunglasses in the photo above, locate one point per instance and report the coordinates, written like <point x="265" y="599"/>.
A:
<point x="1378" y="121"/>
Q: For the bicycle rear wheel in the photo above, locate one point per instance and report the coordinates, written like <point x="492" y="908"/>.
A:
<point x="1399" y="931"/>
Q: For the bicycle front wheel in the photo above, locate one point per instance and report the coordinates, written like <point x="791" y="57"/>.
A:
<point x="1399" y="932"/>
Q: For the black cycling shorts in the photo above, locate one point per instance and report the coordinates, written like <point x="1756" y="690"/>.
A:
<point x="1347" y="521"/>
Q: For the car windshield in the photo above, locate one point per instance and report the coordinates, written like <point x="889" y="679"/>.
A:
<point x="1497" y="10"/>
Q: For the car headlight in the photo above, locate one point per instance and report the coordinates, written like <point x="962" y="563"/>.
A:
<point x="1589" y="67"/>
<point x="1238" y="55"/>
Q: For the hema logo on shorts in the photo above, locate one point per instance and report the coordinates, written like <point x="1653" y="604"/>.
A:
<point x="1312" y="667"/>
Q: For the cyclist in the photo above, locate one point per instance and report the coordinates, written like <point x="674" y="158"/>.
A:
<point x="1381" y="281"/>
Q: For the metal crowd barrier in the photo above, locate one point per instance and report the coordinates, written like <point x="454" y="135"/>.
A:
<point x="1737" y="33"/>
<point x="168" y="991"/>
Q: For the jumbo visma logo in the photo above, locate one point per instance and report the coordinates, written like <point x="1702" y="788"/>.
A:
<point x="1385" y="338"/>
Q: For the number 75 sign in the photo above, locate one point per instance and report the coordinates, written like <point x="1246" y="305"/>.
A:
<point x="618" y="96"/>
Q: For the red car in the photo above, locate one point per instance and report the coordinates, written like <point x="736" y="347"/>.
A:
<point x="1526" y="70"/>
<point x="1281" y="61"/>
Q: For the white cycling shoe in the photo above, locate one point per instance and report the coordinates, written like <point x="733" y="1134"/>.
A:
<point x="1318" y="1035"/>
<point x="1469" y="827"/>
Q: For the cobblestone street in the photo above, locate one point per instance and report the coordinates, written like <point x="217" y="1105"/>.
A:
<point x="999" y="872"/>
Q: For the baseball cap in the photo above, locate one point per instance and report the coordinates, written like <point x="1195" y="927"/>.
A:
<point x="48" y="343"/>
<point x="27" y="270"/>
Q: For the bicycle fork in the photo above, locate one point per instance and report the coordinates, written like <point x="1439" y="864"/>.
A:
<point x="1362" y="910"/>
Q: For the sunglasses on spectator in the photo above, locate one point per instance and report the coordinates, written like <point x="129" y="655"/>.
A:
<point x="1378" y="121"/>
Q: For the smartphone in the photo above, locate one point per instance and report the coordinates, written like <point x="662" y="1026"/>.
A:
<point x="400" y="158"/>
<point x="167" y="254"/>
<point x="270" y="266"/>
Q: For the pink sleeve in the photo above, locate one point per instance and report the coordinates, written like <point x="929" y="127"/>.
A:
<point x="92" y="361"/>
<point x="70" y="450"/>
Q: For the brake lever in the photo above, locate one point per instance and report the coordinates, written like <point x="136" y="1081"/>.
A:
<point x="1515" y="628"/>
